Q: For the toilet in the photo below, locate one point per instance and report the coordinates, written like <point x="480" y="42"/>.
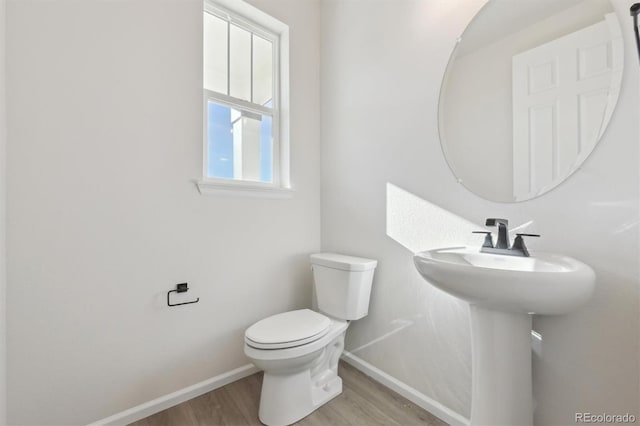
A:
<point x="299" y="350"/>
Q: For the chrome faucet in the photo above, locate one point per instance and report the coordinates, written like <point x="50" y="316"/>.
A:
<point x="503" y="232"/>
<point x="503" y="246"/>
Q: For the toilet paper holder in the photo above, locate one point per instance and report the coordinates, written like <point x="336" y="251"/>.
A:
<point x="180" y="288"/>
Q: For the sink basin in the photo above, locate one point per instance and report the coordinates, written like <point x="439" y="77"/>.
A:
<point x="542" y="284"/>
<point x="502" y="292"/>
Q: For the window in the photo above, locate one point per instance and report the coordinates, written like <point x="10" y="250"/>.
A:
<point x="245" y="88"/>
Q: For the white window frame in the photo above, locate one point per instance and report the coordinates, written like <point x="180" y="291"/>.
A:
<point x="263" y="25"/>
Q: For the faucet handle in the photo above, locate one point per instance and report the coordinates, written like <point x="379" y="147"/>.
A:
<point x="488" y="240"/>
<point x="518" y="243"/>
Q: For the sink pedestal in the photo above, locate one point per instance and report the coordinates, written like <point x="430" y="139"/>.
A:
<point x="501" y="390"/>
<point x="501" y="291"/>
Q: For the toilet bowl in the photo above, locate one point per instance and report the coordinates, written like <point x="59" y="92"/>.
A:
<point x="299" y="350"/>
<point x="298" y="378"/>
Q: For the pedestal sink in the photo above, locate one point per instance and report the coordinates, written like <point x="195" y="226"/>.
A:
<point x="503" y="293"/>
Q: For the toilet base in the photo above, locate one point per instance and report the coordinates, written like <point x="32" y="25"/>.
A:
<point x="286" y="399"/>
<point x="288" y="396"/>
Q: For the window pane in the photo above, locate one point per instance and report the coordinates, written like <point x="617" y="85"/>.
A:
<point x="240" y="144"/>
<point x="215" y="54"/>
<point x="266" y="150"/>
<point x="220" y="141"/>
<point x="262" y="70"/>
<point x="240" y="58"/>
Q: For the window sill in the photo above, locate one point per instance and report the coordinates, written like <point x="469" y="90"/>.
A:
<point x="242" y="189"/>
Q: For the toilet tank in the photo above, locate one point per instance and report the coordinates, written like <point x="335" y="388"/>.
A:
<point x="342" y="284"/>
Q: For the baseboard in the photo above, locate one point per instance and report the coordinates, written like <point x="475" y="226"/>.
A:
<point x="167" y="401"/>
<point x="418" y="398"/>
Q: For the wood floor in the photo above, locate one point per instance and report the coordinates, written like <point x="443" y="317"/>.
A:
<point x="362" y="402"/>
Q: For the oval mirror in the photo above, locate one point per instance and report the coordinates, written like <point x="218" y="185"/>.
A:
<point x="528" y="93"/>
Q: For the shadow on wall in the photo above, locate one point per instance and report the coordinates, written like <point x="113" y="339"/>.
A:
<point x="397" y="325"/>
<point x="406" y="312"/>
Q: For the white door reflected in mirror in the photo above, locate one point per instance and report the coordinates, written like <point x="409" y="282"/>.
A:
<point x="523" y="106"/>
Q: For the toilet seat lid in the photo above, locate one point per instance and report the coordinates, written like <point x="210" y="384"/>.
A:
<point x="288" y="329"/>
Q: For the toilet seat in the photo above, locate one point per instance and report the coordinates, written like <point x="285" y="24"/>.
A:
<point x="287" y="355"/>
<point x="287" y="330"/>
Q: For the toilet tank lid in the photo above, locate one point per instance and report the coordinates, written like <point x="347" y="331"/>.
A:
<point x="343" y="262"/>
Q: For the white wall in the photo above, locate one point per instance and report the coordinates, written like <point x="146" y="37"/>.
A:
<point x="387" y="191"/>
<point x="105" y="128"/>
<point x="3" y="192"/>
